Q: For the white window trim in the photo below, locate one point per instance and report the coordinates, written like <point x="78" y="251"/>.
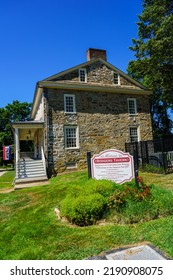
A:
<point x="83" y="69"/>
<point x="118" y="79"/>
<point x="74" y="103"/>
<point x="132" y="99"/>
<point x="77" y="137"/>
<point x="138" y="132"/>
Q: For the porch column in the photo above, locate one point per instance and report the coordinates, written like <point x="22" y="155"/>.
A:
<point x="17" y="143"/>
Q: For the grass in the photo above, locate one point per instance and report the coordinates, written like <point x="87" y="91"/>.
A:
<point x="162" y="180"/>
<point x="6" y="179"/>
<point x="29" y="228"/>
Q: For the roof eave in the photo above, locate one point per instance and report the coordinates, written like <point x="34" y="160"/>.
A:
<point x="87" y="87"/>
<point x="36" y="100"/>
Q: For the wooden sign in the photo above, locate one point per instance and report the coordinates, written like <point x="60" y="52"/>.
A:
<point x="113" y="165"/>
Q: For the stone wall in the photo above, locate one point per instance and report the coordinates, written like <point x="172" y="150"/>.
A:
<point x="102" y="120"/>
<point x="97" y="73"/>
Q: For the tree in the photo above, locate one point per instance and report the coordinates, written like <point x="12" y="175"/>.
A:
<point x="12" y="113"/>
<point x="154" y="65"/>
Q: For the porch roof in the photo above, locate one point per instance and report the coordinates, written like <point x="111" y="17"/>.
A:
<point x="27" y="129"/>
<point x="28" y="124"/>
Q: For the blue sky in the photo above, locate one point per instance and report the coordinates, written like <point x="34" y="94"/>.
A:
<point x="41" y="38"/>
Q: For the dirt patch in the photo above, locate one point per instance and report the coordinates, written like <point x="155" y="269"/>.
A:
<point x="6" y="190"/>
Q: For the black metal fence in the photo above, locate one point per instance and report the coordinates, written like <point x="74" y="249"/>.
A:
<point x="157" y="153"/>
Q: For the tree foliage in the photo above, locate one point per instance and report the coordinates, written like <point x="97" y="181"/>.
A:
<point x="12" y="113"/>
<point x="154" y="60"/>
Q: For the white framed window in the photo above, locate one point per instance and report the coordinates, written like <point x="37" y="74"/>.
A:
<point x="71" y="137"/>
<point x="116" y="78"/>
<point x="132" y="108"/>
<point x="134" y="134"/>
<point x="69" y="103"/>
<point x="82" y="75"/>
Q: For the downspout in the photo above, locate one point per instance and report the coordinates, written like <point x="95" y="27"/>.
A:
<point x="46" y="117"/>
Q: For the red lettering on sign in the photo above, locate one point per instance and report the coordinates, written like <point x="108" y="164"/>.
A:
<point x="111" y="160"/>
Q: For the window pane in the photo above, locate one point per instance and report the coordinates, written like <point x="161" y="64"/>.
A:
<point x="69" y="100"/>
<point x="70" y="137"/>
<point x="116" y="78"/>
<point x="82" y="74"/>
<point x="132" y="107"/>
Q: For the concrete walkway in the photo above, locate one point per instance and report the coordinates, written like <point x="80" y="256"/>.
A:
<point x="2" y="172"/>
<point x="31" y="184"/>
<point x="5" y="190"/>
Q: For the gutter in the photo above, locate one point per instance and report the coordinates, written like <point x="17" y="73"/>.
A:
<point x="89" y="87"/>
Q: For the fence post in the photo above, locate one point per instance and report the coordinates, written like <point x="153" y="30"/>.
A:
<point x="163" y="156"/>
<point x="89" y="164"/>
<point x="142" y="153"/>
<point x="147" y="153"/>
<point x="135" y="157"/>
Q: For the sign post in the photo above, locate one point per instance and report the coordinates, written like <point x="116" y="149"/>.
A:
<point x="89" y="164"/>
<point x="113" y="165"/>
<point x="136" y="167"/>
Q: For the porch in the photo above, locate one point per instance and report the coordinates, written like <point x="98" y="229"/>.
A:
<point x="29" y="159"/>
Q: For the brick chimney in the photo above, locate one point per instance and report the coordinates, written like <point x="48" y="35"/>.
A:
<point x="95" y="53"/>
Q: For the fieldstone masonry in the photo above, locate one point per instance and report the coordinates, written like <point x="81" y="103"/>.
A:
<point x="102" y="119"/>
<point x="97" y="73"/>
<point x="101" y="116"/>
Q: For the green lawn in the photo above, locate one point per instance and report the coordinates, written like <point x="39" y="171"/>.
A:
<point x="6" y="179"/>
<point x="29" y="228"/>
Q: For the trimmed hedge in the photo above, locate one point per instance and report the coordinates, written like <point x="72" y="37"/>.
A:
<point x="83" y="210"/>
<point x="86" y="204"/>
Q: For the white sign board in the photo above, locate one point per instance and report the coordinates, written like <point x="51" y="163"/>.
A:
<point x="113" y="165"/>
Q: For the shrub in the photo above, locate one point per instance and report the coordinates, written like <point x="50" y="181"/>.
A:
<point x="129" y="192"/>
<point x="117" y="200"/>
<point x="103" y="187"/>
<point x="86" y="204"/>
<point x="75" y="191"/>
<point x="83" y="210"/>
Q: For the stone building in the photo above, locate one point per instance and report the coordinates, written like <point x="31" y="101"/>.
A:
<point x="93" y="106"/>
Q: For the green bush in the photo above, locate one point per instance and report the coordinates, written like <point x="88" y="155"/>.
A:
<point x="103" y="187"/>
<point x="83" y="210"/>
<point x="129" y="192"/>
<point x="86" y="204"/>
